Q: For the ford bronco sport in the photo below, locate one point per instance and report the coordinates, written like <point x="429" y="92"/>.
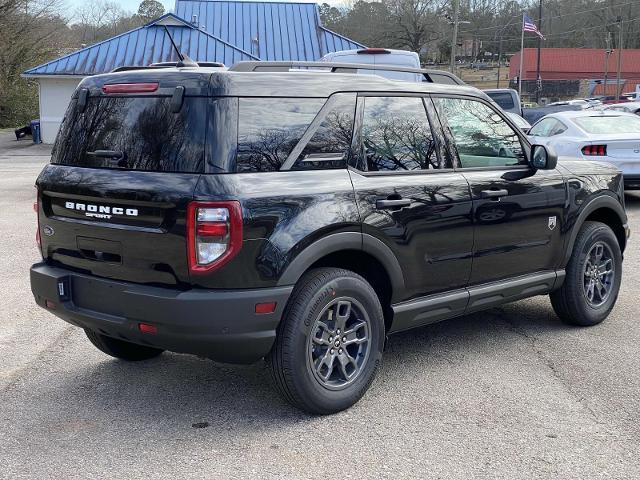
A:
<point x="303" y="216"/>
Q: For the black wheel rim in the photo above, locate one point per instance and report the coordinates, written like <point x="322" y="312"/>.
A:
<point x="599" y="274"/>
<point x="339" y="343"/>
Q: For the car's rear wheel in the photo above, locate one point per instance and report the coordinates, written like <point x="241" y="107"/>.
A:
<point x="329" y="343"/>
<point x="593" y="276"/>
<point x="121" y="349"/>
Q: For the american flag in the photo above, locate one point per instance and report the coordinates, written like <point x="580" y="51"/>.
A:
<point x="529" y="26"/>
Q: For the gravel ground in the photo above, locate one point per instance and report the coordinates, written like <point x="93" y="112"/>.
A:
<point x="507" y="394"/>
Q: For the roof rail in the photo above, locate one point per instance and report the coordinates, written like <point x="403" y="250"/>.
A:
<point x="158" y="65"/>
<point x="433" y="76"/>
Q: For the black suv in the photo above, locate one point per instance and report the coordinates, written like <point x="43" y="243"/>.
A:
<point x="303" y="216"/>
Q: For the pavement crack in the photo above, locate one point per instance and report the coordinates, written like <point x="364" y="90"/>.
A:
<point x="14" y="377"/>
<point x="533" y="341"/>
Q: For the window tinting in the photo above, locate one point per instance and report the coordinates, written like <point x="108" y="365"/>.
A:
<point x="330" y="144"/>
<point x="143" y="133"/>
<point x="481" y="137"/>
<point x="269" y="128"/>
<point x="396" y="135"/>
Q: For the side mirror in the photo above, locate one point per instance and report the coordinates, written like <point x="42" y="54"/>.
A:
<point x="543" y="158"/>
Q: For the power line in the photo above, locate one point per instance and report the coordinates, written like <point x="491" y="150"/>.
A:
<point x="560" y="34"/>
<point x="556" y="16"/>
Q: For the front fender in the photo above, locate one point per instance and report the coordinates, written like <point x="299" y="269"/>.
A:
<point x="606" y="201"/>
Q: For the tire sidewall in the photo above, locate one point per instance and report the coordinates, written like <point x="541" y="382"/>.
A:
<point x="304" y="380"/>
<point x="590" y="314"/>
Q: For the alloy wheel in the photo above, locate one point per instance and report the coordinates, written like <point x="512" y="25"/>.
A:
<point x="599" y="274"/>
<point x="339" y="343"/>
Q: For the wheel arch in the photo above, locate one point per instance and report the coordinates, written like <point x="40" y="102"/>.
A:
<point x="361" y="253"/>
<point x="604" y="209"/>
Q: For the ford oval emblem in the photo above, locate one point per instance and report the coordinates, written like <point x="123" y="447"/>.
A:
<point x="48" y="230"/>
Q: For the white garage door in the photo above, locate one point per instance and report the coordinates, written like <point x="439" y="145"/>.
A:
<point x="55" y="94"/>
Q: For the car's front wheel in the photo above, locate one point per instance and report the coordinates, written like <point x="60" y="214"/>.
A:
<point x="329" y="344"/>
<point x="593" y="276"/>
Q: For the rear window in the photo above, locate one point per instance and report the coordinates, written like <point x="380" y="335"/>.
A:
<point x="505" y="100"/>
<point x="610" y="124"/>
<point x="134" y="133"/>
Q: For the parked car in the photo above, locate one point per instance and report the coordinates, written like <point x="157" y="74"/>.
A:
<point x="520" y="122"/>
<point x="579" y="102"/>
<point x="239" y="215"/>
<point x="380" y="56"/>
<point x="606" y="135"/>
<point x="629" y="107"/>
<point x="507" y="98"/>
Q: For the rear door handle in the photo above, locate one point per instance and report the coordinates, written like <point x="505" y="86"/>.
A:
<point x="493" y="193"/>
<point x="397" y="203"/>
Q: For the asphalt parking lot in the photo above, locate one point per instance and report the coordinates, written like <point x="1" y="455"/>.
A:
<point x="511" y="393"/>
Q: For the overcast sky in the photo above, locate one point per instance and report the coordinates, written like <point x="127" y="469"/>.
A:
<point x="132" y="5"/>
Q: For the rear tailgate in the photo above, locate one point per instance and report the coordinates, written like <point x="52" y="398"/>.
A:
<point x="123" y="225"/>
<point x="124" y="167"/>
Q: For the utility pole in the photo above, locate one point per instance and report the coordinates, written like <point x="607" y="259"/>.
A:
<point x="538" y="78"/>
<point x="499" y="60"/>
<point x="454" y="40"/>
<point x="521" y="58"/>
<point x="621" y="46"/>
<point x="607" y="54"/>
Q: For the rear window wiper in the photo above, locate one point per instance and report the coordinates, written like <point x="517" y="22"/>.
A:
<point x="112" y="154"/>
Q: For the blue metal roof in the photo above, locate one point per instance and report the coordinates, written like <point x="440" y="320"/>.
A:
<point x="142" y="46"/>
<point x="268" y="30"/>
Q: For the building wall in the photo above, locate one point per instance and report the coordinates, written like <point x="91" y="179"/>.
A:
<point x="576" y="64"/>
<point x="55" y="94"/>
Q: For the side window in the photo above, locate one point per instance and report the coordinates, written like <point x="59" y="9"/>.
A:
<point x="269" y="128"/>
<point x="481" y="137"/>
<point x="543" y="128"/>
<point x="396" y="135"/>
<point x="558" y="128"/>
<point x="330" y="143"/>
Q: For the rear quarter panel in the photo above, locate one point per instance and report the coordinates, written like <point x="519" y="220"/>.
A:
<point x="284" y="212"/>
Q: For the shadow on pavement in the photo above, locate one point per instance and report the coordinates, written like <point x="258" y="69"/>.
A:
<point x="189" y="391"/>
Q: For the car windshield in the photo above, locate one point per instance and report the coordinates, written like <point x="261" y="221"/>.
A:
<point x="609" y="124"/>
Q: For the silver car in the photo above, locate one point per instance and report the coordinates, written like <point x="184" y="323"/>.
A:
<point x="608" y="136"/>
<point x="629" y="107"/>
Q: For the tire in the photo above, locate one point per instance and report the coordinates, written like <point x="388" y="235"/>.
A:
<point x="120" y="349"/>
<point x="571" y="301"/>
<point x="315" y="368"/>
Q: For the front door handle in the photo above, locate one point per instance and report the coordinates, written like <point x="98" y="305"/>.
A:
<point x="493" y="193"/>
<point x="395" y="203"/>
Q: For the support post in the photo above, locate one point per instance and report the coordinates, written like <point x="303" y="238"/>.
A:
<point x="521" y="58"/>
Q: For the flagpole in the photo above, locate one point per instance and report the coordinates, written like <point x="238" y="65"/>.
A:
<point x="521" y="59"/>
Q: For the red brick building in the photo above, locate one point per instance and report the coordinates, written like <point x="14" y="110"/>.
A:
<point x="579" y="64"/>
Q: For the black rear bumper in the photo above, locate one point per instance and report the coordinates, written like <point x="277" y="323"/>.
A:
<point x="631" y="182"/>
<point x="219" y="324"/>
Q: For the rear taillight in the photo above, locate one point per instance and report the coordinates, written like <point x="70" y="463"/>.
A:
<point x="214" y="234"/>
<point x="594" y="150"/>
<point x="130" y="88"/>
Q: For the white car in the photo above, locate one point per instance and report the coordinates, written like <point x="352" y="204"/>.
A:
<point x="380" y="56"/>
<point x="631" y="107"/>
<point x="520" y="122"/>
<point x="607" y="136"/>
